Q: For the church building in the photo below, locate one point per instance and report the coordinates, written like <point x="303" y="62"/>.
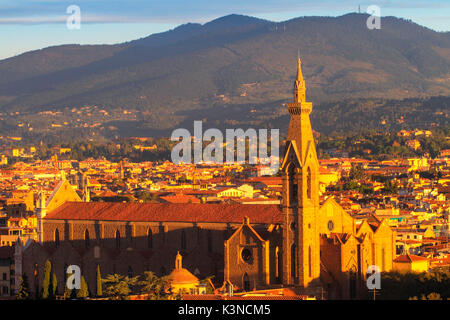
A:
<point x="315" y="247"/>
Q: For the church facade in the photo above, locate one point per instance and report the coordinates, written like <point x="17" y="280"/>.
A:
<point x="301" y="243"/>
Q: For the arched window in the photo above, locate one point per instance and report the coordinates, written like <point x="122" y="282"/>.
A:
<point x="352" y="282"/>
<point x="209" y="240"/>
<point x="246" y="282"/>
<point x="277" y="262"/>
<point x="183" y="239"/>
<point x="308" y="183"/>
<point x="309" y="262"/>
<point x="86" y="238"/>
<point x="117" y="239"/>
<point x="294" y="261"/>
<point x="57" y="238"/>
<point x="293" y="185"/>
<point x="149" y="238"/>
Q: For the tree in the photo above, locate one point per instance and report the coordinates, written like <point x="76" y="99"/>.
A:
<point x="156" y="288"/>
<point x="24" y="289"/>
<point x="47" y="279"/>
<point x="53" y="286"/>
<point x="84" y="291"/>
<point x="118" y="286"/>
<point x="99" y="282"/>
<point x="356" y="172"/>
<point x="208" y="282"/>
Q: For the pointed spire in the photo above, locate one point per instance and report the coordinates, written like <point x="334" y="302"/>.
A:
<point x="299" y="85"/>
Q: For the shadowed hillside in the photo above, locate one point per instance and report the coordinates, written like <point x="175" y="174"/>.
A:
<point x="233" y="60"/>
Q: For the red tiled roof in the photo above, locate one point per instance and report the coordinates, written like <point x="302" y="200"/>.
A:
<point x="409" y="258"/>
<point x="167" y="212"/>
<point x="180" y="198"/>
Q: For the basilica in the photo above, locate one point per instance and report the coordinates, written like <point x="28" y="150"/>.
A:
<point x="304" y="243"/>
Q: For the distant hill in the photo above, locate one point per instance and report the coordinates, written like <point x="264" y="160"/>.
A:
<point x="233" y="60"/>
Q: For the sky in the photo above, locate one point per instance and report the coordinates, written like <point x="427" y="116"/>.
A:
<point x="34" y="24"/>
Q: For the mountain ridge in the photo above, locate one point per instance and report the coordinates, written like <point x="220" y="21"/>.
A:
<point x="232" y="60"/>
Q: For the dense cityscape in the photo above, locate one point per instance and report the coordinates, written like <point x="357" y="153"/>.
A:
<point x="317" y="166"/>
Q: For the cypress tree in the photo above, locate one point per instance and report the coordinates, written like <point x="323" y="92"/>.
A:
<point x="54" y="285"/>
<point x="47" y="280"/>
<point x="24" y="289"/>
<point x="99" y="282"/>
<point x="84" y="291"/>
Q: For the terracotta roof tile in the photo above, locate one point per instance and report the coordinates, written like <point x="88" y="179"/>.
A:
<point x="168" y="212"/>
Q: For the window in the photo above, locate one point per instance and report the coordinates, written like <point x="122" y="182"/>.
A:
<point x="382" y="259"/>
<point x="293" y="186"/>
<point x="117" y="239"/>
<point x="86" y="238"/>
<point x="277" y="263"/>
<point x="5" y="291"/>
<point x="308" y="183"/>
<point x="330" y="225"/>
<point x="149" y="238"/>
<point x="352" y="282"/>
<point x="246" y="255"/>
<point x="57" y="238"/>
<point x="294" y="261"/>
<point x="4" y="276"/>
<point x="130" y="272"/>
<point x="309" y="262"/>
<point x="246" y="282"/>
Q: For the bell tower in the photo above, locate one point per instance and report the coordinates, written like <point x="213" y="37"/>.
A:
<point x="300" y="175"/>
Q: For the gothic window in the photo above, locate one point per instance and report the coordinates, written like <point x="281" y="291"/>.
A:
<point x="183" y="239"/>
<point x="57" y="238"/>
<point x="149" y="238"/>
<point x="66" y="231"/>
<point x="129" y="234"/>
<point x="117" y="239"/>
<point x="309" y="262"/>
<point x="277" y="263"/>
<point x="293" y="185"/>
<point x="308" y="183"/>
<point x="86" y="238"/>
<point x="246" y="282"/>
<point x="294" y="261"/>
<point x="352" y="282"/>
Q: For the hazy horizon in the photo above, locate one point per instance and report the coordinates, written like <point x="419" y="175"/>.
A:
<point x="43" y="28"/>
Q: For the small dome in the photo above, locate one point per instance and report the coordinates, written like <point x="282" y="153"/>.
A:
<point x="182" y="276"/>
